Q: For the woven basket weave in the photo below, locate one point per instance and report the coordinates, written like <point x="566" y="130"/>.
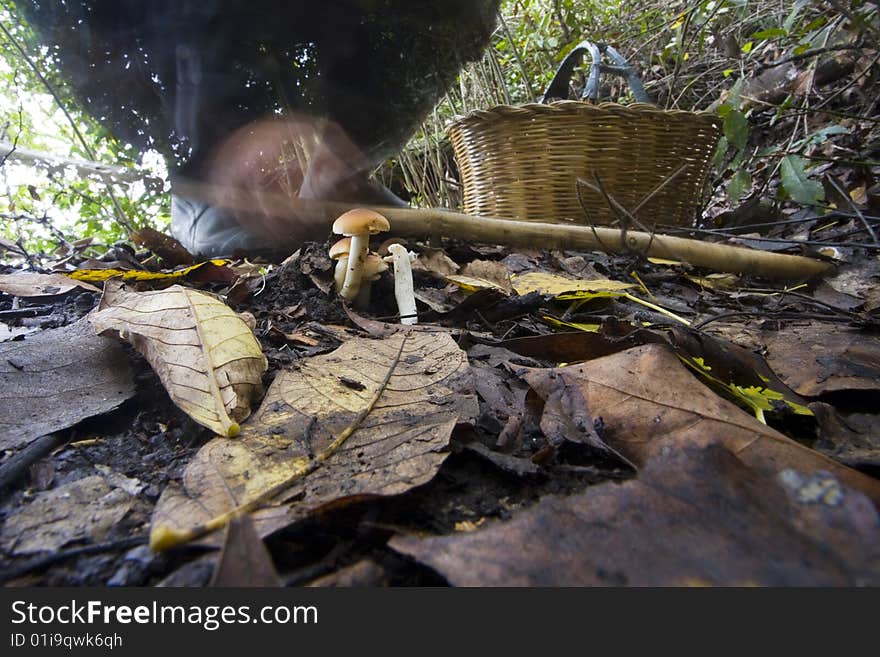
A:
<point x="523" y="162"/>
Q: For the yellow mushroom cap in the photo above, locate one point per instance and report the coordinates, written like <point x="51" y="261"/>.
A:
<point x="360" y="221"/>
<point x="341" y="249"/>
<point x="373" y="266"/>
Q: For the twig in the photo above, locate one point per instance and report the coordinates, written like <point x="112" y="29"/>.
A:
<point x="806" y="55"/>
<point x="30" y="311"/>
<point x="851" y="83"/>
<point x="107" y="172"/>
<point x="709" y="231"/>
<point x="624" y="215"/>
<point x="11" y="148"/>
<point x="853" y="18"/>
<point x="519" y="61"/>
<point x="16" y="466"/>
<point x="855" y="209"/>
<point x="771" y="315"/>
<point x="764" y="224"/>
<point x="40" y="563"/>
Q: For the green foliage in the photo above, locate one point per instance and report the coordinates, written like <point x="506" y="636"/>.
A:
<point x="736" y="127"/>
<point x="739" y="185"/>
<point x="61" y="202"/>
<point x="796" y="183"/>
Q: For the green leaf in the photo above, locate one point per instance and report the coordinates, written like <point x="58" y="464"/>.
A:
<point x="772" y="33"/>
<point x="796" y="183"/>
<point x="720" y="152"/>
<point x="739" y="185"/>
<point x="736" y="129"/>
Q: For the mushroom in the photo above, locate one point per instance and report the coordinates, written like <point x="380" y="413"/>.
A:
<point x="358" y="224"/>
<point x="339" y="252"/>
<point x="403" y="283"/>
<point x="374" y="265"/>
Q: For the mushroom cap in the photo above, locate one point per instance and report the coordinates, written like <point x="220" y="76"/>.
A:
<point x="341" y="249"/>
<point x="360" y="221"/>
<point x="373" y="266"/>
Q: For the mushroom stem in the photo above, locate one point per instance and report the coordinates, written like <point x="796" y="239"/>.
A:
<point x="339" y="273"/>
<point x="403" y="284"/>
<point x="354" y="271"/>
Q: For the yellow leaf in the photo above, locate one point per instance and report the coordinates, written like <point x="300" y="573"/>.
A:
<point x="758" y="399"/>
<point x="665" y="261"/>
<point x="205" y="355"/>
<point x="859" y="195"/>
<point x="714" y="281"/>
<point x="473" y="284"/>
<point x="555" y="285"/>
<point x="558" y="323"/>
<point x="137" y="275"/>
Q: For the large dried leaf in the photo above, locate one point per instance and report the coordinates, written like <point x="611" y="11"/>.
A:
<point x="814" y="360"/>
<point x="56" y="378"/>
<point x="373" y="417"/>
<point x="649" y="403"/>
<point x="26" y="284"/>
<point x="206" y="356"/>
<point x="85" y="508"/>
<point x="693" y="517"/>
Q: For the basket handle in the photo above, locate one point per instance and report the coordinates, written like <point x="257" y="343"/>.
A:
<point x="558" y="87"/>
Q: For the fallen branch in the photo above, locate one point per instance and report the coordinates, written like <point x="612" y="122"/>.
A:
<point x="313" y="219"/>
<point x="85" y="168"/>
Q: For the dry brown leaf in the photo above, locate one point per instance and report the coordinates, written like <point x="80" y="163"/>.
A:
<point x="85" y="508"/>
<point x="26" y="284"/>
<point x="692" y="518"/>
<point x="436" y="262"/>
<point x="649" y="403"/>
<point x="56" y="378"/>
<point x="853" y="439"/>
<point x="205" y="355"/>
<point x="813" y="360"/>
<point x="244" y="561"/>
<point x="371" y="418"/>
<point x="489" y="270"/>
<point x="164" y="246"/>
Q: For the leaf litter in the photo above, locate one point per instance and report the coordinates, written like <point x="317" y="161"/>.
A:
<point x="371" y="418"/>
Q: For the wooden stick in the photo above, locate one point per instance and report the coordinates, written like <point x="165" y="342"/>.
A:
<point x="314" y="218"/>
<point x="85" y="168"/>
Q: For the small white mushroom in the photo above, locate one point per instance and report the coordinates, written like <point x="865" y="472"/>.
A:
<point x="339" y="252"/>
<point x="403" y="283"/>
<point x="358" y="224"/>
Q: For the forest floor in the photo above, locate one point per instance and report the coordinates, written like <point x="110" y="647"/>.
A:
<point x="531" y="445"/>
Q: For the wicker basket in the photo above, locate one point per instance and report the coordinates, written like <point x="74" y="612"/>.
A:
<point x="523" y="162"/>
